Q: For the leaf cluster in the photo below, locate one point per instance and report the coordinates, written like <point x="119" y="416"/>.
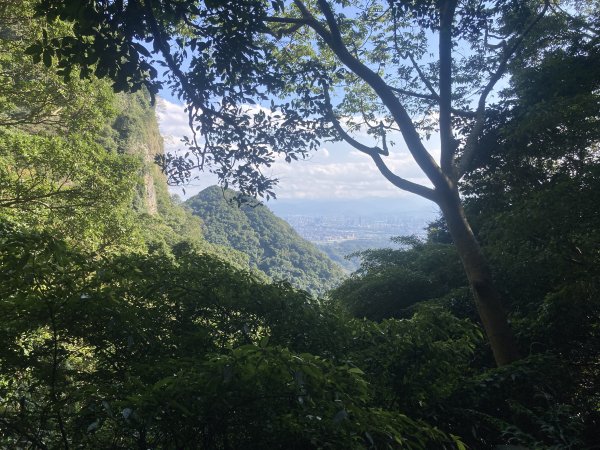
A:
<point x="157" y="351"/>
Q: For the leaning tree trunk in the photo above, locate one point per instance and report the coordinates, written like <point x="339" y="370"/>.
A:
<point x="487" y="298"/>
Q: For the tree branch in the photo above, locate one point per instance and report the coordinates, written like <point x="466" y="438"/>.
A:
<point x="577" y="21"/>
<point x="194" y="97"/>
<point x="344" y="134"/>
<point x="470" y="147"/>
<point x="455" y="111"/>
<point x="375" y="153"/>
<point x="295" y="25"/>
<point x="381" y="88"/>
<point x="402" y="183"/>
<point x="165" y="50"/>
<point x="423" y="77"/>
<point x="331" y="21"/>
<point x="448" y="145"/>
<point x="415" y="94"/>
<point x="287" y="20"/>
<point x="19" y="200"/>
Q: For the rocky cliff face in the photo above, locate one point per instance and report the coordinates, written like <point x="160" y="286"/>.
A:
<point x="139" y="134"/>
<point x="150" y="194"/>
<point x="152" y="175"/>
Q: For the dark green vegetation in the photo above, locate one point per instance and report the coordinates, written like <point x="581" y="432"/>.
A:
<point x="271" y="244"/>
<point x="325" y="70"/>
<point x="179" y="350"/>
<point x="123" y="328"/>
<point x="390" y="282"/>
<point x="346" y="253"/>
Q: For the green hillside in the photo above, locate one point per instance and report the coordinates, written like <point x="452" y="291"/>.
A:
<point x="271" y="244"/>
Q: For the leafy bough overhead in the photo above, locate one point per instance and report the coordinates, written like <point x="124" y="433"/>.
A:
<point x="222" y="58"/>
<point x="267" y="79"/>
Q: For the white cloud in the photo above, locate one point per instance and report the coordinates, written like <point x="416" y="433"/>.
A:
<point x="173" y="121"/>
<point x="335" y="171"/>
<point x="352" y="175"/>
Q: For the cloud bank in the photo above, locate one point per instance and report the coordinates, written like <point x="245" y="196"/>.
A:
<point x="336" y="171"/>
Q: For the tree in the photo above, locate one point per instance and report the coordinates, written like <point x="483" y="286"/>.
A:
<point x="313" y="68"/>
<point x="391" y="282"/>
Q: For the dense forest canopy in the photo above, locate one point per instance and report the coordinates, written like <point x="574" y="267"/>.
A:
<point x="413" y="68"/>
<point x="124" y="326"/>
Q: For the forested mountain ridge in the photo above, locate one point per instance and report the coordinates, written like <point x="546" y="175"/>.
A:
<point x="272" y="245"/>
<point x="162" y="219"/>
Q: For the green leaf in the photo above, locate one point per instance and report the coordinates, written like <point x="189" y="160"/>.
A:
<point x="34" y="49"/>
<point x="47" y="58"/>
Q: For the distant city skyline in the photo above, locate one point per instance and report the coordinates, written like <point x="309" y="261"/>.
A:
<point x="334" y="229"/>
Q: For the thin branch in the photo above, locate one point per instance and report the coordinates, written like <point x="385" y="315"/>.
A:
<point x="163" y="45"/>
<point x="457" y="112"/>
<point x="375" y="153"/>
<point x="577" y="21"/>
<point x="408" y="93"/>
<point x="496" y="46"/>
<point x="422" y="76"/>
<point x="295" y="25"/>
<point x="380" y="126"/>
<point x="11" y="202"/>
<point x="470" y="147"/>
<point x="403" y="183"/>
<point x="311" y="20"/>
<point x="344" y="134"/>
<point x="287" y="20"/>
<point x="195" y="102"/>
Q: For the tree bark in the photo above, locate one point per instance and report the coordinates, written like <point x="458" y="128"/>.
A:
<point x="487" y="298"/>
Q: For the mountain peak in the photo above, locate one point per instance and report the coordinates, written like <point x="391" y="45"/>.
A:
<point x="272" y="245"/>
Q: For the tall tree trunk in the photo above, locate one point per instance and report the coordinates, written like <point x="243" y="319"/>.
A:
<point x="487" y="298"/>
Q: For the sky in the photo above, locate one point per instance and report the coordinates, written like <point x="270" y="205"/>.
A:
<point x="335" y="171"/>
